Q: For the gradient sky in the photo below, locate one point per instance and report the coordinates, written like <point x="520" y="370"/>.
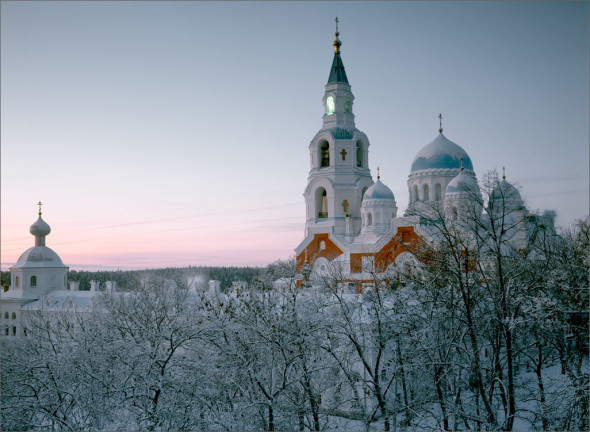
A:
<point x="176" y="133"/>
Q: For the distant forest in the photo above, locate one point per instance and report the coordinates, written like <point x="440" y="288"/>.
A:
<point x="225" y="275"/>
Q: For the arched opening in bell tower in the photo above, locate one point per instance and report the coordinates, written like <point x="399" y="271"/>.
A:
<point x="324" y="154"/>
<point x="321" y="203"/>
<point x="359" y="154"/>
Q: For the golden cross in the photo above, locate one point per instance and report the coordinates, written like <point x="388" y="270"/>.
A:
<point x="461" y="164"/>
<point x="503" y="173"/>
<point x="440" y="129"/>
<point x="343" y="153"/>
<point x="378" y="176"/>
<point x="345" y="205"/>
<point x="39" y="204"/>
<point x="336" y="19"/>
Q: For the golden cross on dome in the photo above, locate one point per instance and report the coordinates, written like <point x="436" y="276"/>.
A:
<point x="378" y="176"/>
<point x="336" y="42"/>
<point x="503" y="173"/>
<point x="440" y="129"/>
<point x="461" y="164"/>
<point x="39" y="204"/>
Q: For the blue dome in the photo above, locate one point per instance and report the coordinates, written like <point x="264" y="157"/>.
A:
<point x="441" y="153"/>
<point x="378" y="191"/>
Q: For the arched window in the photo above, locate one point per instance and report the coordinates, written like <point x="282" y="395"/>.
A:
<point x="321" y="203"/>
<point x="13" y="315"/>
<point x="5" y="315"/>
<point x="33" y="281"/>
<point x="13" y="331"/>
<point x="455" y="213"/>
<point x="369" y="219"/>
<point x="325" y="154"/>
<point x="6" y="331"/>
<point x="330" y="105"/>
<point x="359" y="154"/>
<point x="416" y="197"/>
<point x="437" y="192"/>
<point x="425" y="192"/>
<point x="16" y="281"/>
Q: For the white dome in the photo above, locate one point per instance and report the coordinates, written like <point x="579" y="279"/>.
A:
<point x="39" y="256"/>
<point x="40" y="228"/>
<point x="463" y="182"/>
<point x="441" y="154"/>
<point x="378" y="191"/>
<point x="504" y="192"/>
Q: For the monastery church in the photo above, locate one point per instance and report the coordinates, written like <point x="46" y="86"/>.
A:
<point x="351" y="220"/>
<point x="354" y="222"/>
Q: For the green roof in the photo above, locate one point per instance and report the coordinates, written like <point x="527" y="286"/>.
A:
<point x="337" y="73"/>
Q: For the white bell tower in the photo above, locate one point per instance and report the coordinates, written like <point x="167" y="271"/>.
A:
<point x="339" y="152"/>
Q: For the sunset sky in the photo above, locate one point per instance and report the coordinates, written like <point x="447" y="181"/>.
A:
<point x="176" y="133"/>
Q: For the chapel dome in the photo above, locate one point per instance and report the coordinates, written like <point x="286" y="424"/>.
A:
<point x="378" y="191"/>
<point x="38" y="256"/>
<point x="463" y="182"/>
<point x="441" y="153"/>
<point x="40" y="228"/>
<point x="504" y="192"/>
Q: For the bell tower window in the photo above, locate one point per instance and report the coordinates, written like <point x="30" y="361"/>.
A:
<point x="425" y="192"/>
<point x="321" y="203"/>
<point x="16" y="281"/>
<point x="325" y="154"/>
<point x="33" y="281"/>
<point x="330" y="105"/>
<point x="415" y="194"/>
<point x="359" y="154"/>
<point x="348" y="105"/>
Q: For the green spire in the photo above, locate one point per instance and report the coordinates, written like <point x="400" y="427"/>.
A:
<point x="337" y="73"/>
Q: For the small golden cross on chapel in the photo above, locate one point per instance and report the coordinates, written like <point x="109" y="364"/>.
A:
<point x="39" y="204"/>
<point x="440" y="129"/>
<point x="345" y="205"/>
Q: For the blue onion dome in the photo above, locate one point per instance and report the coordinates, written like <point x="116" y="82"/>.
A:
<point x="504" y="192"/>
<point x="40" y="228"/>
<point x="463" y="182"/>
<point x="378" y="191"/>
<point x="441" y="154"/>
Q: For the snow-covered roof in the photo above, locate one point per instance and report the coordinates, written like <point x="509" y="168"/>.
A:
<point x="18" y="294"/>
<point x="60" y="300"/>
<point x="39" y="256"/>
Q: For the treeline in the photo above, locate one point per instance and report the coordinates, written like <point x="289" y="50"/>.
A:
<point x="125" y="278"/>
